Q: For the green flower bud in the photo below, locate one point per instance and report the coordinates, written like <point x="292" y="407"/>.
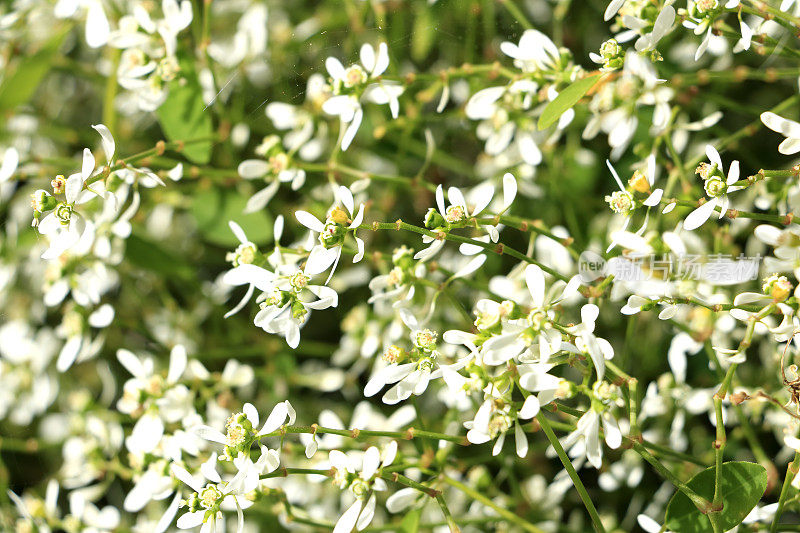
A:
<point x="433" y="219"/>
<point x="63" y="213"/>
<point x="715" y="186"/>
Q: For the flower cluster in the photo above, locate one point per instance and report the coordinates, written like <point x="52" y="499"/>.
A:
<point x="538" y="243"/>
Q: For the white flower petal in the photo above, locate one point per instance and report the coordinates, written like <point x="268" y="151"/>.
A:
<point x="787" y="128"/>
<point x="109" y="146"/>
<point x="237" y="231"/>
<point x="275" y="420"/>
<point x="534" y="279"/>
<point x="348" y="520"/>
<point x="310" y="221"/>
<point x="699" y="216"/>
<point x="530" y="408"/>
<point x="191" y="520"/>
<point x="612" y="9"/>
<point x="131" y="363"/>
<point x="253" y="168"/>
<point x="367" y="56"/>
<point x="520" y="440"/>
<point x="509" y="190"/>
<point x="9" y="166"/>
<point x="87" y="167"/>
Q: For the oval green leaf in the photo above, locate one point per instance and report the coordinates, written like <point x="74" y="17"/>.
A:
<point x="213" y="208"/>
<point x="410" y="523"/>
<point x="183" y="116"/>
<point x="19" y="85"/>
<point x="423" y="34"/>
<point x="743" y="484"/>
<point x="149" y="255"/>
<point x="565" y="100"/>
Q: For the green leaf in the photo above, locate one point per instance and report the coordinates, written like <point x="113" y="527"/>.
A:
<point x="565" y="100"/>
<point x="149" y="255"/>
<point x="423" y="34"/>
<point x="213" y="208"/>
<point x="19" y="85"/>
<point x="183" y="116"/>
<point x="410" y="523"/>
<point x="742" y="486"/>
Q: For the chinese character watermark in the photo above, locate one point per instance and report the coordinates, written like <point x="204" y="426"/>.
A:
<point x="716" y="269"/>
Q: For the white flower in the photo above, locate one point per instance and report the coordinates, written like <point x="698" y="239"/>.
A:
<point x="786" y="253"/>
<point x="349" y="85"/>
<point x="29" y="505"/>
<point x="620" y="122"/>
<point x="348" y="109"/>
<point x="700" y="18"/>
<point x="362" y="483"/>
<point x="459" y="213"/>
<point x="148" y="61"/>
<point x="275" y="168"/>
<point x="627" y="472"/>
<point x="495" y="107"/>
<point x="284" y="304"/>
<point x="661" y="27"/>
<point x="385" y="92"/>
<point x="535" y="52"/>
<point x="284" y="301"/>
<point x="160" y="399"/>
<point x="519" y="336"/>
<point x="747" y="36"/>
<point x="241" y="428"/>
<point x="154" y="485"/>
<point x="587" y="433"/>
<point x="598" y="349"/>
<point x="301" y="137"/>
<point x="717" y="187"/>
<point x="786" y="5"/>
<point x="96" y="520"/>
<point x="332" y="233"/>
<point x="623" y="202"/>
<point x="177" y="17"/>
<point x="63" y="225"/>
<point x="207" y="502"/>
<point x="491" y="422"/>
<point x="26" y="387"/>
<point x="398" y="286"/>
<point x="245" y="254"/>
<point x="248" y="43"/>
<point x="409" y="378"/>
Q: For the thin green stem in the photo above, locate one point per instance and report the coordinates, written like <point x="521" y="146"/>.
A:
<point x="109" y="111"/>
<point x="576" y="480"/>
<point x="287" y="471"/>
<point x="701" y="503"/>
<point x="748" y="130"/>
<point x="535" y="226"/>
<point x="517" y="13"/>
<point x="479" y="497"/>
<point x="359" y="434"/>
<point x="408" y="482"/>
<point x="361" y="174"/>
<point x="735" y="213"/>
<point x="156" y="150"/>
<point x="451" y="522"/>
<point x="791" y="471"/>
<point x="499" y="249"/>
